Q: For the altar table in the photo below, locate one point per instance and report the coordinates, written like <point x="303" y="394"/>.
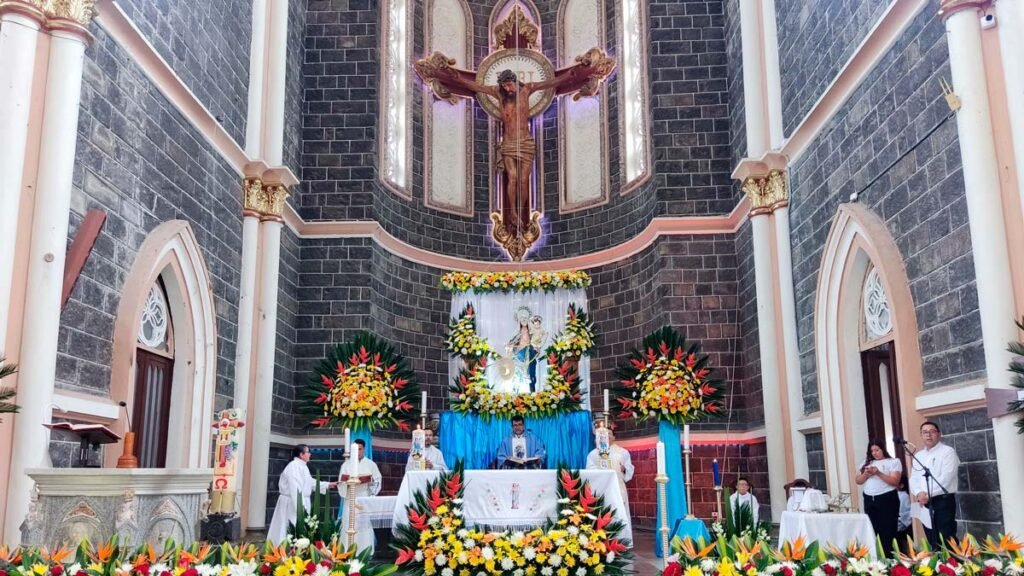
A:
<point x="837" y="529"/>
<point x="514" y="499"/>
<point x="373" y="512"/>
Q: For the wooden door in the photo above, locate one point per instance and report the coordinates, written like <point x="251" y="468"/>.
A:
<point x="152" y="408"/>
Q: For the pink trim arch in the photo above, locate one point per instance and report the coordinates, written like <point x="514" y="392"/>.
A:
<point x="859" y="239"/>
<point x="171" y="252"/>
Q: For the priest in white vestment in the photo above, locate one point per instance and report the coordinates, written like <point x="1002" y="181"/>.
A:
<point x="369" y="485"/>
<point x="618" y="459"/>
<point x="432" y="458"/>
<point x="295" y="480"/>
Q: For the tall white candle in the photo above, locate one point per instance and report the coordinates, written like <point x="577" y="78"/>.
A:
<point x="686" y="436"/>
<point x="606" y="404"/>
<point x="348" y="438"/>
<point x="423" y="403"/>
<point x="661" y="458"/>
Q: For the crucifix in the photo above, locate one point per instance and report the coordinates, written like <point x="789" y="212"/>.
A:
<point x="515" y="84"/>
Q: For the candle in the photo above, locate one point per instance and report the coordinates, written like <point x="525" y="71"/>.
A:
<point x="661" y="458"/>
<point x="716" y="472"/>
<point x="606" y="404"/>
<point x="348" y="438"/>
<point x="423" y="403"/>
<point x="686" y="436"/>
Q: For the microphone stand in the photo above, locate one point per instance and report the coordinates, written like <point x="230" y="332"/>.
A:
<point x="928" y="479"/>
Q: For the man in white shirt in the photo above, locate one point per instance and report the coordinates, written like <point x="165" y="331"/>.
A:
<point x="618" y="459"/>
<point x="939" y="492"/>
<point x="295" y="482"/>
<point x="369" y="485"/>
<point x="432" y="457"/>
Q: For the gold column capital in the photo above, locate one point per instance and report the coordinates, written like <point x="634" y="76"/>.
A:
<point x="263" y="200"/>
<point x="80" y="11"/>
<point x="767" y="192"/>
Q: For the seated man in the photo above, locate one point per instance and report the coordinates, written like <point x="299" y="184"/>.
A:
<point x="432" y="457"/>
<point x="521" y="449"/>
<point x="617" y="459"/>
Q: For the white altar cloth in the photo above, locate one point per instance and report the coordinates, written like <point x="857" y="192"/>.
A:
<point x="489" y="498"/>
<point x="838" y="529"/>
<point x="374" y="512"/>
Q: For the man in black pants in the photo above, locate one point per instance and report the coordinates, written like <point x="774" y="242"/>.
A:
<point x="943" y="462"/>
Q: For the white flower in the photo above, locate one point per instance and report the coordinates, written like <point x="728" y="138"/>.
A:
<point x="584" y="540"/>
<point x="529" y="553"/>
<point x="581" y="571"/>
<point x="440" y="559"/>
<point x="817" y="572"/>
<point x="127" y="569"/>
<point x="242" y="568"/>
<point x="74" y="569"/>
<point x="462" y="558"/>
<point x="447" y="572"/>
<point x="469" y="544"/>
<point x="419" y="556"/>
<point x="321" y="570"/>
<point x="462" y="533"/>
<point x="507" y="563"/>
<point x="518" y="572"/>
<point x="487" y="553"/>
<point x="457" y="511"/>
<point x="707" y="565"/>
<point x="302" y="543"/>
<point x="433" y="520"/>
<point x="555" y="560"/>
<point x="992" y="563"/>
<point x="610" y="557"/>
<point x="563" y="500"/>
<point x="1014" y="569"/>
<point x="157" y="568"/>
<point x="546" y="571"/>
<point x="567" y="512"/>
<point x="573" y="530"/>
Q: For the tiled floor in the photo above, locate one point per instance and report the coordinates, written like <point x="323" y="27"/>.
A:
<point x="645" y="563"/>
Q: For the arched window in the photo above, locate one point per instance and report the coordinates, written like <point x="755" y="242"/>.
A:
<point x="153" y="379"/>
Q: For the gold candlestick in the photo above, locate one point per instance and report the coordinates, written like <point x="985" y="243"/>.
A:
<point x="662" y="480"/>
<point x="718" y="500"/>
<point x="352" y="482"/>
<point x="689" y="500"/>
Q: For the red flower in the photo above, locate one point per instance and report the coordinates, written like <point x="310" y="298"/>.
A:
<point x="787" y="571"/>
<point x="142" y="569"/>
<point x="946" y="569"/>
<point x="673" y="569"/>
<point x="325" y="563"/>
<point x="829" y="569"/>
<point x="900" y="570"/>
<point x="58" y="569"/>
<point x="84" y="573"/>
<point x="989" y="570"/>
<point x="265" y="569"/>
<point x="190" y="572"/>
<point x="310" y="567"/>
<point x="405" y="556"/>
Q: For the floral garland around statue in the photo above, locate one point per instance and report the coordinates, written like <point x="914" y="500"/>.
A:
<point x="472" y="393"/>
<point x="758" y="557"/>
<point x="482" y="282"/>
<point x="667" y="380"/>
<point x="582" y="541"/>
<point x="297" y="557"/>
<point x="364" y="385"/>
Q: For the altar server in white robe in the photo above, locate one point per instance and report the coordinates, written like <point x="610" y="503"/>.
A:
<point x="369" y="485"/>
<point x="295" y="479"/>
<point x="619" y="460"/>
<point x="743" y="496"/>
<point x="432" y="457"/>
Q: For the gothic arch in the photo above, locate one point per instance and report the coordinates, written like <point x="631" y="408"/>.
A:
<point x="858" y="240"/>
<point x="171" y="253"/>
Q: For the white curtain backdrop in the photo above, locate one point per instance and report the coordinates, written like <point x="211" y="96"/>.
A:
<point x="496" y="321"/>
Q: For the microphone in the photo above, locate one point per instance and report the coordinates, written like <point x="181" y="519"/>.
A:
<point x="128" y="418"/>
<point x="898" y="440"/>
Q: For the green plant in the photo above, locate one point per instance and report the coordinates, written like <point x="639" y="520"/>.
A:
<point x="1017" y="368"/>
<point x="7" y="395"/>
<point x="318" y="523"/>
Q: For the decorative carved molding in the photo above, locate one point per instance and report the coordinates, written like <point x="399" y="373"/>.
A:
<point x="262" y="200"/>
<point x="515" y="27"/>
<point x="517" y="245"/>
<point x="767" y="193"/>
<point x="80" y="12"/>
<point x="949" y="7"/>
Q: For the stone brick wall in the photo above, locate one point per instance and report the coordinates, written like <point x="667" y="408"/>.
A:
<point x="921" y="199"/>
<point x="690" y="130"/>
<point x="815" y="41"/>
<point x="747" y="460"/>
<point x="734" y="61"/>
<point x="816" y="460"/>
<point x="286" y="378"/>
<point x="140" y="162"/>
<point x="749" y="401"/>
<point x="207" y="45"/>
<point x="294" y="88"/>
<point x="979" y="508"/>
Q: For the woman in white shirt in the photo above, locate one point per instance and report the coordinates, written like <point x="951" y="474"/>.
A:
<point x="880" y="475"/>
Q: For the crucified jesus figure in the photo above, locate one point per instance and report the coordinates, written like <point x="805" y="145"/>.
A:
<point x="517" y="148"/>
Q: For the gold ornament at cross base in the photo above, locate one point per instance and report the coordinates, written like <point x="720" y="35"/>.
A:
<point x="767" y="193"/>
<point x="263" y="200"/>
<point x="515" y="84"/>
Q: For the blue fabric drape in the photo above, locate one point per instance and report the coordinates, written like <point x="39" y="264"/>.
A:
<point x="675" y="490"/>
<point x="567" y="438"/>
<point x="365" y="435"/>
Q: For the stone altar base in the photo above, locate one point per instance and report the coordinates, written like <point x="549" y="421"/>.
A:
<point x="139" y="505"/>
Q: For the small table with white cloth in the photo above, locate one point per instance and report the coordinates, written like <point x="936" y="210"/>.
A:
<point x="837" y="529"/>
<point x="514" y="499"/>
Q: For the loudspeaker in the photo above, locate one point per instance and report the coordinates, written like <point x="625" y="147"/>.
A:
<point x="220" y="528"/>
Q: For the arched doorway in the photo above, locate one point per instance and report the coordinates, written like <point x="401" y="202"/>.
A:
<point x="866" y="344"/>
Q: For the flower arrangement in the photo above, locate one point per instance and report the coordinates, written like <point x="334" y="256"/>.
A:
<point x="513" y="281"/>
<point x="463" y="340"/>
<point x="293" y="558"/>
<point x="667" y="380"/>
<point x="578" y="337"/>
<point x="471" y="392"/>
<point x="364" y="385"/>
<point x="1017" y="368"/>
<point x="582" y="541"/>
<point x="757" y="557"/>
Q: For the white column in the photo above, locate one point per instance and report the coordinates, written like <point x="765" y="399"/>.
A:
<point x="774" y="437"/>
<point x="257" y="69"/>
<point x="243" y="350"/>
<point x="263" y="400"/>
<point x="45" y="271"/>
<point x="754" y="97"/>
<point x="19" y="34"/>
<point x="794" y="386"/>
<point x="1010" y="18"/>
<point x="988" y="241"/>
<point x="277" y="65"/>
<point x="772" y="78"/>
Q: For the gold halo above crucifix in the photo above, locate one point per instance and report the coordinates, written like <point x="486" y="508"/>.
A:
<point x="514" y="84"/>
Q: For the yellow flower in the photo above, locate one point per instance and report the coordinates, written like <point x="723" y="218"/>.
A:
<point x="39" y="569"/>
<point x="925" y="570"/>
<point x="693" y="571"/>
<point x="291" y="567"/>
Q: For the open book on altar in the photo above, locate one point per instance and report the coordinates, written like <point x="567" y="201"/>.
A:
<point x="533" y="462"/>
